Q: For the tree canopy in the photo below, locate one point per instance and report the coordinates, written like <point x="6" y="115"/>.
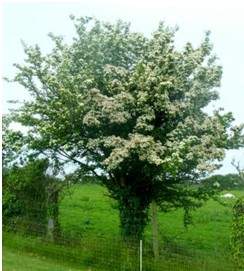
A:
<point x="130" y="110"/>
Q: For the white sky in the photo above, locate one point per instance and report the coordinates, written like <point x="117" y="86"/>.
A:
<point x="31" y="21"/>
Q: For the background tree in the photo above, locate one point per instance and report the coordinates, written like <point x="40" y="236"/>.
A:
<point x="129" y="110"/>
<point x="30" y="196"/>
<point x="225" y="182"/>
<point x="25" y="197"/>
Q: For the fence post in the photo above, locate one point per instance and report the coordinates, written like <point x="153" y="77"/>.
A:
<point x="140" y="255"/>
<point x="155" y="230"/>
<point x="50" y="229"/>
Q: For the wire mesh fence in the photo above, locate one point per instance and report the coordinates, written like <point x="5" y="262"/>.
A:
<point x="107" y="253"/>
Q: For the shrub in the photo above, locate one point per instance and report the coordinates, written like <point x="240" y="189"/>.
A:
<point x="237" y="238"/>
<point x="24" y="195"/>
<point x="31" y="199"/>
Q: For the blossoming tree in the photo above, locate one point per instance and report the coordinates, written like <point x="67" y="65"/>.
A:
<point x="130" y="110"/>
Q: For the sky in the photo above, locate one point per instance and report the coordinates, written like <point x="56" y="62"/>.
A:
<point x="32" y="21"/>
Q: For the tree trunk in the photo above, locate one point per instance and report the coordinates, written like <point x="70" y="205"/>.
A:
<point x="155" y="230"/>
<point x="133" y="217"/>
<point x="134" y="197"/>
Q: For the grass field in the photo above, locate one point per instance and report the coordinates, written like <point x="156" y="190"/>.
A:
<point x="87" y="213"/>
<point x="16" y="260"/>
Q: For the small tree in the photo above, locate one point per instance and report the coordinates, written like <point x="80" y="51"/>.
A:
<point x="129" y="110"/>
<point x="30" y="195"/>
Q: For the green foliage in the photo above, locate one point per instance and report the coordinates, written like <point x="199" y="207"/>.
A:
<point x="12" y="144"/>
<point x="133" y="210"/>
<point x="237" y="239"/>
<point x="129" y="110"/>
<point x="225" y="182"/>
<point x="30" y="197"/>
<point x="24" y="194"/>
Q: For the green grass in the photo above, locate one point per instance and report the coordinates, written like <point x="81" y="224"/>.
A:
<point x="34" y="253"/>
<point x="209" y="236"/>
<point x="89" y="216"/>
<point x="88" y="211"/>
<point x="16" y="260"/>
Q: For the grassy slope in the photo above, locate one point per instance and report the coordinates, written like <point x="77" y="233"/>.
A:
<point x="89" y="211"/>
<point x="15" y="260"/>
<point x="29" y="253"/>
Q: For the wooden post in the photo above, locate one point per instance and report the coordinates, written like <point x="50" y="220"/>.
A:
<point x="155" y="230"/>
<point x="50" y="228"/>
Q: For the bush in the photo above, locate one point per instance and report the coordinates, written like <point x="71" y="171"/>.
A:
<point x="237" y="238"/>
<point x="24" y="194"/>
